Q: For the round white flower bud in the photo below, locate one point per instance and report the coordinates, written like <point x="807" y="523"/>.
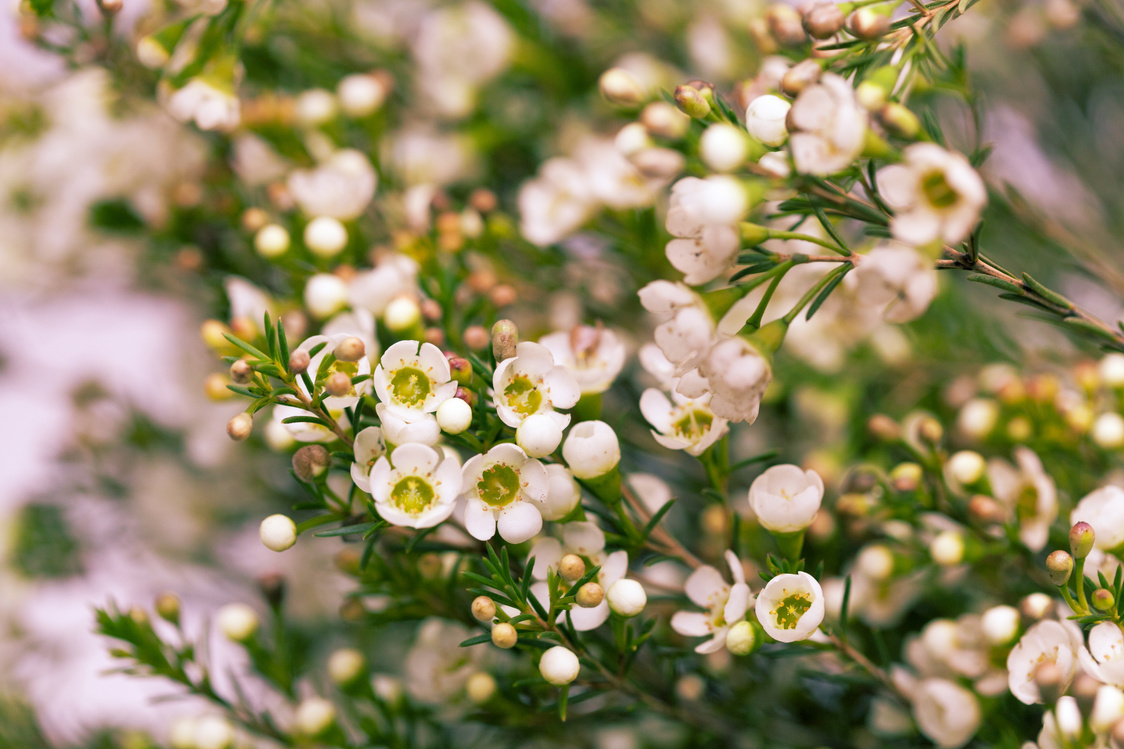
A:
<point x="741" y="639"/>
<point x="539" y="435"/>
<point x="324" y="295"/>
<point x="1068" y="716"/>
<point x="1000" y="624"/>
<point x="1036" y="605"/>
<point x="1108" y="431"/>
<point x="764" y="119"/>
<point x="480" y="687"/>
<point x="278" y="532"/>
<point x="620" y="87"/>
<point x="876" y="562"/>
<point x="723" y="147"/>
<point x="947" y="549"/>
<point x="978" y="418"/>
<point x="315" y="715"/>
<point x="402" y="314"/>
<point x="271" y="241"/>
<point x="316" y="106"/>
<point x="237" y="621"/>
<point x="454" y="416"/>
<point x="361" y="95"/>
<point x="563" y="495"/>
<point x="325" y="236"/>
<point x="627" y="597"/>
<point x="559" y="666"/>
<point x="591" y="449"/>
<point x="967" y="466"/>
<point x="213" y="732"/>
<point x="1111" y="370"/>
<point x="632" y="138"/>
<point x="346" y="665"/>
<point x="1108" y="708"/>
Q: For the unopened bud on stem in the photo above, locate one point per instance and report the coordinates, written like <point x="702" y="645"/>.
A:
<point x="571" y="567"/>
<point x="350" y="349"/>
<point x="1081" y="538"/>
<point x="310" y="462"/>
<point x="504" y="636"/>
<point x="505" y="336"/>
<point x="483" y="609"/>
<point x="239" y="427"/>
<point x="1060" y="566"/>
<point x="590" y="595"/>
<point x="241" y="372"/>
<point x="299" y="361"/>
<point x="822" y="20"/>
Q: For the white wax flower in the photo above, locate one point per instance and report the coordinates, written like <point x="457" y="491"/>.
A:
<point x="555" y="203"/>
<point x="394" y="277"/>
<point x="563" y="495"/>
<point x="626" y="598"/>
<point x="702" y="216"/>
<point x="948" y="714"/>
<point x="314" y="716"/>
<point x="325" y="236"/>
<point x="591" y="449"/>
<point x="1106" y="646"/>
<point x="1104" y="510"/>
<point x="1108" y="708"/>
<point x="369" y="446"/>
<point x="1108" y="431"/>
<point x="829" y="127"/>
<point x="340" y="187"/>
<point x="437" y="667"/>
<point x="585" y="540"/>
<point x="335" y="403"/>
<point x="398" y="431"/>
<point x="237" y="621"/>
<point x="723" y="147"/>
<point x="686" y="327"/>
<point x="1061" y="727"/>
<point x="594" y="356"/>
<point x="271" y="241"/>
<point x="1111" y="370"/>
<point x="1000" y="624"/>
<point x="415" y="487"/>
<point x="212" y="107"/>
<point x="505" y="489"/>
<point x="315" y="107"/>
<point x="412" y="380"/>
<point x="682" y="423"/>
<point x="1056" y="642"/>
<point x="212" y="732"/>
<point x="736" y="374"/>
<point x="346" y="665"/>
<point x="725" y="605"/>
<point x="325" y="294"/>
<point x="791" y="607"/>
<point x="539" y="435"/>
<point x="361" y="94"/>
<point x="278" y="532"/>
<point x="786" y="498"/>
<point x="559" y="666"/>
<point x="764" y="118"/>
<point x="935" y="194"/>
<point x="898" y="279"/>
<point x="1029" y="495"/>
<point x="531" y="383"/>
<point x="454" y="416"/>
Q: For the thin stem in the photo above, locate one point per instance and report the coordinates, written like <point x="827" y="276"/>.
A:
<point x="845" y="648"/>
<point x="806" y="238"/>
<point x="815" y="290"/>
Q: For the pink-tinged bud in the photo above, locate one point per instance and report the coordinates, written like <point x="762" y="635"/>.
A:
<point x="350" y="349"/>
<point x="310" y="462"/>
<point x="299" y="361"/>
<point x="822" y="20"/>
<point x="239" y="427"/>
<point x="1060" y="566"/>
<point x="1081" y="538"/>
<point x="461" y="369"/>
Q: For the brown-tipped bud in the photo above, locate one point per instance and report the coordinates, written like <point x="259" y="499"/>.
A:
<point x="505" y="336"/>
<point x="906" y="477"/>
<point x="899" y="120"/>
<point x="785" y="25"/>
<point x="461" y="369"/>
<point x="1060" y="566"/>
<point x="620" y="87"/>
<point x="571" y="567"/>
<point x="985" y="510"/>
<point x="822" y="20"/>
<point x="476" y="337"/>
<point x="168" y="607"/>
<point x="468" y="396"/>
<point x="483" y="200"/>
<point x="272" y="587"/>
<point x="299" y="361"/>
<point x="705" y="88"/>
<point x="310" y="462"/>
<point x="350" y="349"/>
<point x="110" y="8"/>
<point x="504" y="636"/>
<point x="884" y="428"/>
<point x="483" y="609"/>
<point x="338" y="384"/>
<point x="590" y="595"/>
<point x="691" y="102"/>
<point x="241" y="372"/>
<point x="868" y="24"/>
<point x="661" y="119"/>
<point x="1081" y="537"/>
<point x="1049" y="679"/>
<point x="431" y="309"/>
<point x="239" y="427"/>
<point x="798" y="78"/>
<point x="503" y="295"/>
<point x="1103" y="600"/>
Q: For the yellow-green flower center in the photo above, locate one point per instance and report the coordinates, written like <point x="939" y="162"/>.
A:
<point x="498" y="486"/>
<point x="410" y="386"/>
<point x="791" y="608"/>
<point x="937" y="190"/>
<point x="413" y="495"/>
<point x="522" y="396"/>
<point x="692" y="424"/>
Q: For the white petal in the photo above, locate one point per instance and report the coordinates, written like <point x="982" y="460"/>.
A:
<point x="656" y="408"/>
<point x="547" y="552"/>
<point x="705" y="586"/>
<point x="519" y="521"/>
<point x="479" y="520"/>
<point x="691" y="624"/>
<point x="415" y="459"/>
<point x="564" y="390"/>
<point x="583" y="538"/>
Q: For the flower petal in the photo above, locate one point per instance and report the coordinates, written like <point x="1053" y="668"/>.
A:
<point x="519" y="521"/>
<point x="479" y="520"/>
<point x="691" y="624"/>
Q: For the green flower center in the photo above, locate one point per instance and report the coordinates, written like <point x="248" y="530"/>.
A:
<point x="937" y="190"/>
<point x="791" y="608"/>
<point x="410" y="386"/>
<point x="522" y="396"/>
<point x="692" y="424"/>
<point x="413" y="495"/>
<point x="498" y="486"/>
<point x="1026" y="504"/>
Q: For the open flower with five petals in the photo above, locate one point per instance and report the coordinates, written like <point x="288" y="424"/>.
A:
<point x="504" y="489"/>
<point x="725" y="604"/>
<point x="531" y="383"/>
<point x="416" y="486"/>
<point x="413" y="379"/>
<point x="791" y="607"/>
<point x="682" y="423"/>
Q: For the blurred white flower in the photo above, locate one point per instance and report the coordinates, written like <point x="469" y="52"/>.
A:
<point x="1104" y="510"/>
<point x="437" y="667"/>
<point x="395" y="275"/>
<point x="1106" y="646"/>
<point x="764" y="118"/>
<point x="594" y="355"/>
<point x="725" y="605"/>
<point x="686" y="327"/>
<point x="900" y="280"/>
<point x="1028" y="494"/>
<point x="340" y="187"/>
<point x="736" y="375"/>
<point x="211" y="107"/>
<point x="829" y="127"/>
<point x="948" y="714"/>
<point x="1054" y="642"/>
<point x="556" y="203"/>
